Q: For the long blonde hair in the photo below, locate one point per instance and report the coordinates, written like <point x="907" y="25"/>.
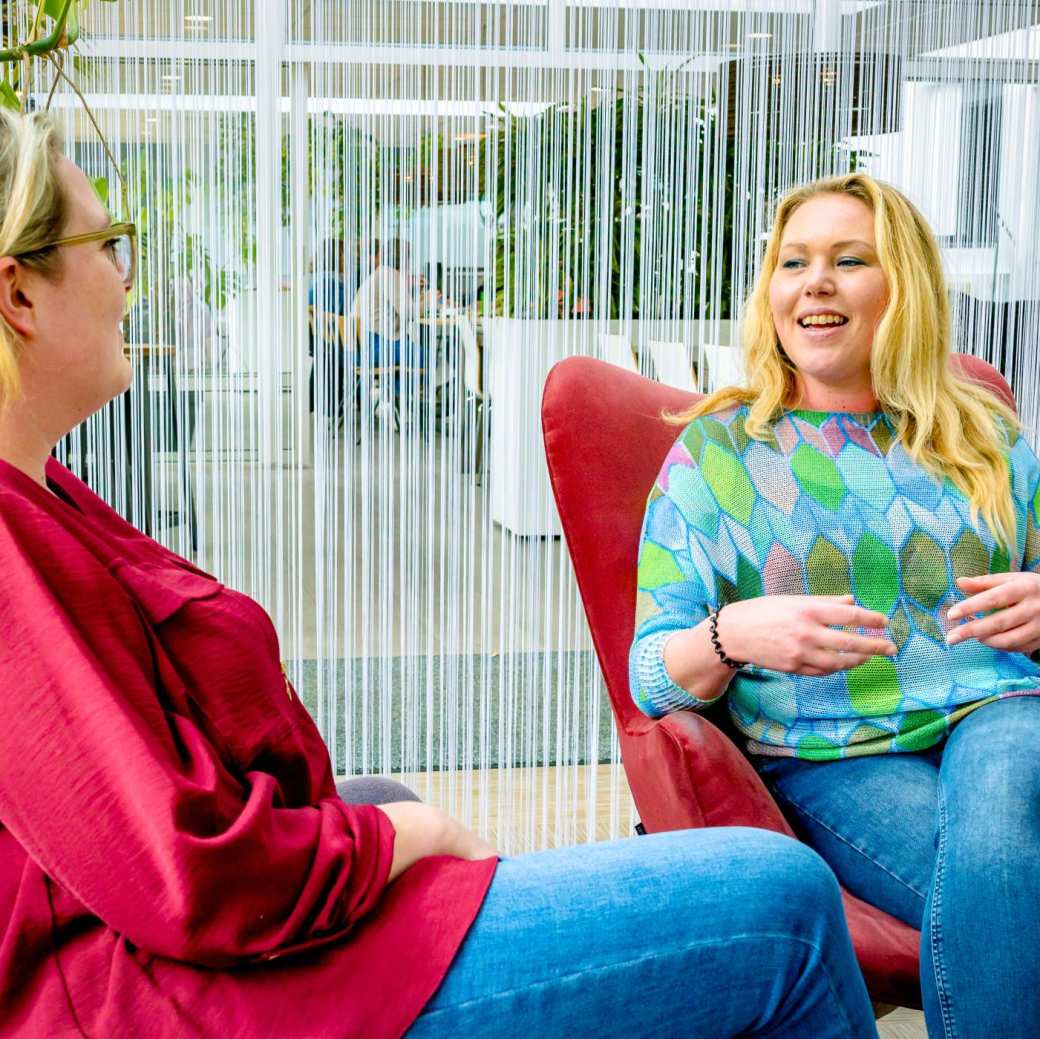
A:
<point x="32" y="213"/>
<point x="950" y="426"/>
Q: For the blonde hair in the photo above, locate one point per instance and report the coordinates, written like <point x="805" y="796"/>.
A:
<point x="949" y="425"/>
<point x="32" y="214"/>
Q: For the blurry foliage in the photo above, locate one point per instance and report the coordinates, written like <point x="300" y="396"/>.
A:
<point x="165" y="243"/>
<point x="585" y="194"/>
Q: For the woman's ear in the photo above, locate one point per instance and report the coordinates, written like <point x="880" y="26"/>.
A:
<point x="16" y="308"/>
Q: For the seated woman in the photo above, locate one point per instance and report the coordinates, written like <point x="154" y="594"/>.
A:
<point x="813" y="544"/>
<point x="330" y="338"/>
<point x="174" y="859"/>
<point x="387" y="304"/>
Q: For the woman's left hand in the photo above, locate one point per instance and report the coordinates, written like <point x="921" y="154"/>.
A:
<point x="1015" y="626"/>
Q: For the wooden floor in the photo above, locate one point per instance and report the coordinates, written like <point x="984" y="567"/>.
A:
<point x="902" y="1024"/>
<point x="528" y="809"/>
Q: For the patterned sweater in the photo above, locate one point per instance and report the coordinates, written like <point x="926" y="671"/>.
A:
<point x="831" y="504"/>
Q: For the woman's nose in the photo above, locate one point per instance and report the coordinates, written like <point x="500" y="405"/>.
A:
<point x="818" y="282"/>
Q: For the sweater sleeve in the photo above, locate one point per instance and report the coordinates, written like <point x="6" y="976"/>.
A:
<point x="676" y="584"/>
<point x="1030" y="482"/>
<point x="116" y="792"/>
<point x="1026" y="479"/>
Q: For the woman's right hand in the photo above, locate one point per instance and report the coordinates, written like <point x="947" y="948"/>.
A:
<point x="424" y="830"/>
<point x="797" y="633"/>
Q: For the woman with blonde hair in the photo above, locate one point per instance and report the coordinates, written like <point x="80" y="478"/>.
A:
<point x="174" y="857"/>
<point x="848" y="546"/>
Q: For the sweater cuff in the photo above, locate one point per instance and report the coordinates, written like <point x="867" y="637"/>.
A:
<point x="657" y="694"/>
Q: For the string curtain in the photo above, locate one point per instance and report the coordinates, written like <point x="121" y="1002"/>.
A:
<point x="572" y="178"/>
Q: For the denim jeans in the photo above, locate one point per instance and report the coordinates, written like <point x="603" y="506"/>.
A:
<point x="384" y="352"/>
<point x="947" y="840"/>
<point x="689" y="935"/>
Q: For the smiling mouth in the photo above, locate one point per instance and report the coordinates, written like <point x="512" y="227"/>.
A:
<point x="823" y="321"/>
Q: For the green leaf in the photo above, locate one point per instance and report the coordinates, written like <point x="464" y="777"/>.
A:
<point x="8" y="98"/>
<point x="100" y="185"/>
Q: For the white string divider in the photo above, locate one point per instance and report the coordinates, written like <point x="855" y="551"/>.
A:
<point x="558" y="172"/>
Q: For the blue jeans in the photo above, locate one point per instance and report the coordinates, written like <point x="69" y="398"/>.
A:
<point x="947" y="840"/>
<point x="385" y="352"/>
<point x="689" y="935"/>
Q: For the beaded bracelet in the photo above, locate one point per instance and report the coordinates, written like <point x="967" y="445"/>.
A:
<point x="713" y="627"/>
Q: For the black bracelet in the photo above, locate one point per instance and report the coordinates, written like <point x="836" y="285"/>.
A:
<point x="713" y="627"/>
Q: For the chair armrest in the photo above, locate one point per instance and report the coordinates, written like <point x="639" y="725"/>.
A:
<point x="684" y="772"/>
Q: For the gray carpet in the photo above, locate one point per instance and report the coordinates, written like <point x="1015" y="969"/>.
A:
<point x="437" y="703"/>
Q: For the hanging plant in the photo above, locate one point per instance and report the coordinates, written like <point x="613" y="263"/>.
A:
<point x="64" y="33"/>
<point x="54" y="31"/>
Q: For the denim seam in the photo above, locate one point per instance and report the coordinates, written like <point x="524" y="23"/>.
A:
<point x="844" y="840"/>
<point x="935" y="927"/>
<point x="728" y="941"/>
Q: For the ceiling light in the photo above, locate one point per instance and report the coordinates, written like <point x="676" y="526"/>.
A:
<point x="759" y="35"/>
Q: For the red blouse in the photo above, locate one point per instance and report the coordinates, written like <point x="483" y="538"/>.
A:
<point x="174" y="860"/>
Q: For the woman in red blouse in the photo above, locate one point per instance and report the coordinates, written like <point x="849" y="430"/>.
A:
<point x="174" y="859"/>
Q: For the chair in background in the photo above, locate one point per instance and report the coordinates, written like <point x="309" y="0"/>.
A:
<point x="184" y="403"/>
<point x="475" y="403"/>
<point x="672" y="364"/>
<point x="617" y="350"/>
<point x="725" y="366"/>
<point x="328" y="369"/>
<point x="684" y="770"/>
<point x="165" y="423"/>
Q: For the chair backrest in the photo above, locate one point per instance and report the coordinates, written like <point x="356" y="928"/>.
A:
<point x="605" y="439"/>
<point x="471" y="355"/>
<point x="327" y="326"/>
<point x="617" y="350"/>
<point x="724" y="364"/>
<point x="672" y="364"/>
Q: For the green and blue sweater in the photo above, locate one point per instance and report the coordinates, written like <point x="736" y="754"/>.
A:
<point x="830" y="504"/>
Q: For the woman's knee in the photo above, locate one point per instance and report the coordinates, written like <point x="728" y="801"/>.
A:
<point x="777" y="881"/>
<point x="666" y="891"/>
<point x="801" y="885"/>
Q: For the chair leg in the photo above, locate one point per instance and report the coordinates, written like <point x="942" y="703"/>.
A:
<point x="186" y="433"/>
<point x="471" y="427"/>
<point x="193" y="520"/>
<point x="480" y="433"/>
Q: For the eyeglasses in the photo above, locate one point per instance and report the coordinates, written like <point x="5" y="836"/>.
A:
<point x="119" y="239"/>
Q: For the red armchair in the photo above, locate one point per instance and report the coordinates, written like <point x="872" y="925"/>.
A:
<point x="604" y="443"/>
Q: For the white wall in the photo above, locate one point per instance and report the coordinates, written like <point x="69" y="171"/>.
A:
<point x="1018" y="196"/>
